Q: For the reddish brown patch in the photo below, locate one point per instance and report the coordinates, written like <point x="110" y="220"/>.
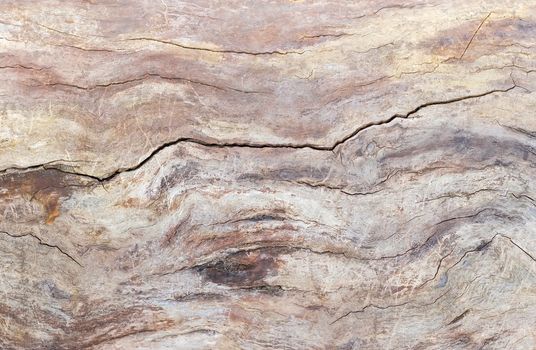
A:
<point x="397" y="289"/>
<point x="100" y="326"/>
<point x="172" y="232"/>
<point x="50" y="202"/>
<point x="47" y="187"/>
<point x="475" y="38"/>
<point x="238" y="315"/>
<point x="130" y="203"/>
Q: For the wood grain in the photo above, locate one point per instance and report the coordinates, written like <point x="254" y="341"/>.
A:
<point x="255" y="175"/>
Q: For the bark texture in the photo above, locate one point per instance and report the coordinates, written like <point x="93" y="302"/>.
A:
<point x="252" y="175"/>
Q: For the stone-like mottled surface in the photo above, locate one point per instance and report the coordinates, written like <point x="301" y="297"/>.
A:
<point x="283" y="174"/>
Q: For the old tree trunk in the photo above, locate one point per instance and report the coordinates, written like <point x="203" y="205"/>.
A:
<point x="253" y="175"/>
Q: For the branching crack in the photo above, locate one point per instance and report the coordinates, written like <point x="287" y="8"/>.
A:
<point x="198" y="48"/>
<point x="334" y="188"/>
<point x="327" y="35"/>
<point x="529" y="133"/>
<point x="416" y="248"/>
<point x="151" y="75"/>
<point x="465" y="195"/>
<point x="365" y="308"/>
<point x="330" y="148"/>
<point x="21" y="66"/>
<point x="51" y="166"/>
<point x="483" y="245"/>
<point x="387" y="307"/>
<point x="521" y="196"/>
<point x="40" y="242"/>
<point x="519" y="247"/>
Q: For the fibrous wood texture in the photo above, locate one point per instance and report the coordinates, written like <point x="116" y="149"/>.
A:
<point x="255" y="175"/>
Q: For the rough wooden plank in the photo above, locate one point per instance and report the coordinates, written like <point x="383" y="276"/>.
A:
<point x="283" y="174"/>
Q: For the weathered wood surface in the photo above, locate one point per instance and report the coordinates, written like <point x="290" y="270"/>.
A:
<point x="283" y="174"/>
